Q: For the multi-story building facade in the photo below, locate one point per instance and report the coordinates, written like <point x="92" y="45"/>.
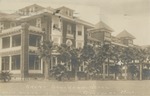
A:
<point x="20" y="33"/>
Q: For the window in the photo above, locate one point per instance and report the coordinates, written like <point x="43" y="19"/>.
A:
<point x="15" y="62"/>
<point x="12" y="24"/>
<point x="1" y="26"/>
<point x="79" y="30"/>
<point x="57" y="23"/>
<point x="5" y="63"/>
<point x="70" y="13"/>
<point x="130" y="41"/>
<point x="69" y="67"/>
<point x="34" y="40"/>
<point x="6" y="42"/>
<point x="67" y="12"/>
<point x="79" y="33"/>
<point x="54" y="59"/>
<point x="107" y="34"/>
<point x="69" y="29"/>
<point x="81" y="68"/>
<point x="34" y="62"/>
<point x="16" y="40"/>
<point x="38" y="22"/>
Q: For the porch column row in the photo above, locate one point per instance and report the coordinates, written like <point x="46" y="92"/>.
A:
<point x="24" y="50"/>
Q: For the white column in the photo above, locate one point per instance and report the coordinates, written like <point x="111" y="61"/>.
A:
<point x="70" y="65"/>
<point x="51" y="62"/>
<point x="83" y="32"/>
<point x="10" y="41"/>
<point x="0" y="63"/>
<point x="83" y="66"/>
<point x="41" y="65"/>
<point x="56" y="60"/>
<point x="0" y="43"/>
<point x="10" y="61"/>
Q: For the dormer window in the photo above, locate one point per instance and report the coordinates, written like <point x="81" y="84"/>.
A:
<point x="38" y="22"/>
<point x="69" y="29"/>
<point x="68" y="13"/>
<point x="130" y="41"/>
<point x="107" y="34"/>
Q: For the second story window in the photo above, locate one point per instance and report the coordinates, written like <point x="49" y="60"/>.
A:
<point x="6" y="42"/>
<point x="1" y="26"/>
<point x="57" y="23"/>
<point x="38" y="22"/>
<point x="34" y="40"/>
<point x="16" y="40"/>
<point x="80" y="33"/>
<point x="69" y="29"/>
<point x="79" y="30"/>
<point x="12" y="24"/>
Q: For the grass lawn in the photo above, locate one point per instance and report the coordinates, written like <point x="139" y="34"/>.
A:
<point x="75" y="88"/>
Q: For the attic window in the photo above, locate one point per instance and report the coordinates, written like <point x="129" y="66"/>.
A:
<point x="68" y="13"/>
<point x="107" y="34"/>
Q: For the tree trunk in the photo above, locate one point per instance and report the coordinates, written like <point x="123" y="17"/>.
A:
<point x="141" y="71"/>
<point x="115" y="76"/>
<point x="104" y="70"/>
<point x="47" y="66"/>
<point x="125" y="77"/>
<point x="76" y="72"/>
<point x="108" y="67"/>
<point x="87" y="76"/>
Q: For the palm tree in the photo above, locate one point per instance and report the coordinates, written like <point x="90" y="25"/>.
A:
<point x="103" y="55"/>
<point x="60" y="70"/>
<point x="75" y="60"/>
<point x="87" y="56"/>
<point x="132" y="69"/>
<point x="141" y="56"/>
<point x="44" y="52"/>
<point x="115" y="53"/>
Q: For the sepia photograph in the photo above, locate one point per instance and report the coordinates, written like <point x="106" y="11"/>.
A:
<point x="74" y="47"/>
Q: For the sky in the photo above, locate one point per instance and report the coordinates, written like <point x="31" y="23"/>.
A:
<point x="131" y="15"/>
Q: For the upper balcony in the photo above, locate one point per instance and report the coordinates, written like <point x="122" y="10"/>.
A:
<point x="10" y="31"/>
<point x="18" y="29"/>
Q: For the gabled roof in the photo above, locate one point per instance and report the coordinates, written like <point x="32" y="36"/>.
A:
<point x="125" y="34"/>
<point x="32" y="6"/>
<point x="8" y="17"/>
<point x="3" y="14"/>
<point x="102" y="26"/>
<point x="63" y="8"/>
